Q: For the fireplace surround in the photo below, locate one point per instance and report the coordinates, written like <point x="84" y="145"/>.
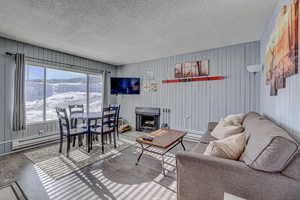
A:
<point x="147" y="119"/>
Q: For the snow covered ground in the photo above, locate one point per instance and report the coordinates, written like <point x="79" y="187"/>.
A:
<point x="59" y="94"/>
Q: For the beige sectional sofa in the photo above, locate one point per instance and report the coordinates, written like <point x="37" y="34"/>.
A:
<point x="269" y="168"/>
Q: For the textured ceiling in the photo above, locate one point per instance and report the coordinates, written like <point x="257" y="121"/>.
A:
<point x="129" y="31"/>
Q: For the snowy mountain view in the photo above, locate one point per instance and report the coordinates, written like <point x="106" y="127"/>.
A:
<point x="60" y="92"/>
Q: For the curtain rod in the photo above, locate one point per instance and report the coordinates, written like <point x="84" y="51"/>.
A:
<point x="49" y="61"/>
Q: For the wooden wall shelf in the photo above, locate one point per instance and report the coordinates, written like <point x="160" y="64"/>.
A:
<point x="211" y="78"/>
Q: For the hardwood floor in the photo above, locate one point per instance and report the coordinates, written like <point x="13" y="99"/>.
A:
<point x="116" y="177"/>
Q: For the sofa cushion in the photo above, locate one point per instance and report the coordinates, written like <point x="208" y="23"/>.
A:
<point x="249" y="117"/>
<point x="199" y="148"/>
<point x="293" y="169"/>
<point x="225" y="129"/>
<point x="236" y="119"/>
<point x="207" y="137"/>
<point x="228" y="148"/>
<point x="269" y="147"/>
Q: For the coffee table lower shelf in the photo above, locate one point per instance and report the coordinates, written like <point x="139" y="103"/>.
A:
<point x="145" y="147"/>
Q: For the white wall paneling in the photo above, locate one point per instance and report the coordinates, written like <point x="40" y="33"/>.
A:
<point x="193" y="104"/>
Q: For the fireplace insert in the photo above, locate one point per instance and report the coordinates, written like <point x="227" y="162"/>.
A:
<point x="147" y="119"/>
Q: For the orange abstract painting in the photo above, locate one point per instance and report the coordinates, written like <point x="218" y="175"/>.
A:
<point x="281" y="57"/>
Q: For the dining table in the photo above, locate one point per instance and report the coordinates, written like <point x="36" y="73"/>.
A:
<point x="88" y="117"/>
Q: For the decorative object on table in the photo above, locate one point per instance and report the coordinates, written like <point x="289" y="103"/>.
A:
<point x="281" y="56"/>
<point x="148" y="138"/>
<point x="166" y="118"/>
<point x="192" y="69"/>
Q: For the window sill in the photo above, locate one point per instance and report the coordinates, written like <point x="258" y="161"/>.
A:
<point x="41" y="122"/>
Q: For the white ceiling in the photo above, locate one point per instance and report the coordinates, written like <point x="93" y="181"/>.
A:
<point x="129" y="31"/>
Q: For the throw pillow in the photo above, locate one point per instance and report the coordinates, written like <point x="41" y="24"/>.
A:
<point x="229" y="148"/>
<point x="236" y="119"/>
<point x="225" y="129"/>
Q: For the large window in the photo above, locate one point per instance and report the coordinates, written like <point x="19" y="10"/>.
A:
<point x="34" y="93"/>
<point x="48" y="88"/>
<point x="95" y="95"/>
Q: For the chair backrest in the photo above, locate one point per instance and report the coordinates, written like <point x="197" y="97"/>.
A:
<point x="75" y="109"/>
<point x="63" y="120"/>
<point x="117" y="106"/>
<point x="109" y="117"/>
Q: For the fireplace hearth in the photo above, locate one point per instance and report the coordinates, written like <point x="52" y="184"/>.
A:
<point x="147" y="119"/>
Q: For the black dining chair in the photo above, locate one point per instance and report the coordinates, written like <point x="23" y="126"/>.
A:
<point x="107" y="126"/>
<point x="75" y="110"/>
<point x="66" y="131"/>
<point x="118" y="106"/>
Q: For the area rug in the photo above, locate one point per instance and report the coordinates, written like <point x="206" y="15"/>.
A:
<point x="118" y="178"/>
<point x="12" y="192"/>
<point x="58" y="165"/>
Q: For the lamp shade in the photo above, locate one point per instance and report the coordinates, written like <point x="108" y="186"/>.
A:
<point x="254" y="68"/>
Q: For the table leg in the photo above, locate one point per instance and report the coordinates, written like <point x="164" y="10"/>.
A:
<point x="89" y="136"/>
<point x="138" y="159"/>
<point x="163" y="165"/>
<point x="181" y="141"/>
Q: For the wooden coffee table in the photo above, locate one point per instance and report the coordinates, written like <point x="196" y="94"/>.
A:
<point x="165" y="139"/>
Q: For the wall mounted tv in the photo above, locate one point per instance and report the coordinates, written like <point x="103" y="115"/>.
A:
<point x="125" y="86"/>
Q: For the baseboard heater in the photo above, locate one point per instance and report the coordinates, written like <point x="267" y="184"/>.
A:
<point x="34" y="141"/>
<point x="193" y="135"/>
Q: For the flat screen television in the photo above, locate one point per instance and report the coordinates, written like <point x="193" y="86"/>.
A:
<point x="125" y="85"/>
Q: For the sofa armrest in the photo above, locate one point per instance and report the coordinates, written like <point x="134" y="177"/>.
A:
<point x="207" y="177"/>
<point x="211" y="126"/>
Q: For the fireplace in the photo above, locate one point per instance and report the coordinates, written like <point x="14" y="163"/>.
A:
<point x="147" y="119"/>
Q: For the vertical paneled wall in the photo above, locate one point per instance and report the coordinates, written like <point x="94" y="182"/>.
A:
<point x="285" y="107"/>
<point x="6" y="84"/>
<point x="193" y="104"/>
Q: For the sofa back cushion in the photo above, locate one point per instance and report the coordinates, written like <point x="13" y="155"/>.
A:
<point x="225" y="129"/>
<point x="249" y="117"/>
<point x="293" y="169"/>
<point x="228" y="148"/>
<point x="269" y="147"/>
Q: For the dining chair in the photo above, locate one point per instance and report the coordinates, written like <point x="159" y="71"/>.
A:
<point x="107" y="126"/>
<point x="118" y="106"/>
<point x="66" y="130"/>
<point x="75" y="110"/>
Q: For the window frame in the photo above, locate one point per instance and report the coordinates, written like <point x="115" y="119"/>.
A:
<point x="45" y="66"/>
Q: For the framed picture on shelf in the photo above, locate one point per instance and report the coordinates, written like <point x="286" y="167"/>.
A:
<point x="192" y="69"/>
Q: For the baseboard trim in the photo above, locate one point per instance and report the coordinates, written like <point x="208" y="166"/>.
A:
<point x="193" y="135"/>
<point x="34" y="141"/>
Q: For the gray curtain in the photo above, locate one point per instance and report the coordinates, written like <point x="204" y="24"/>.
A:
<point x="19" y="97"/>
<point x="105" y="91"/>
